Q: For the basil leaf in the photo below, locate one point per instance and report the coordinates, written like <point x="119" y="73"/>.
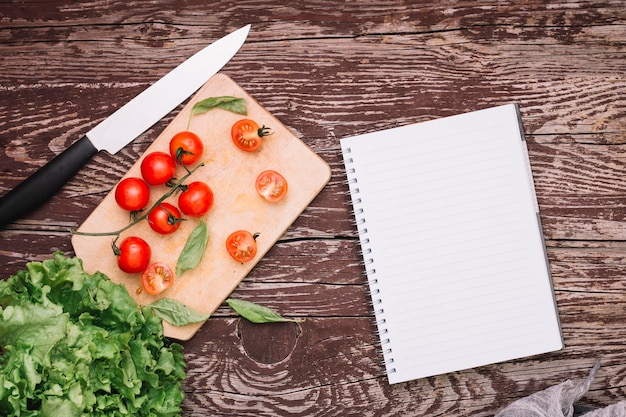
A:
<point x="232" y="104"/>
<point x="256" y="313"/>
<point x="191" y="255"/>
<point x="176" y="313"/>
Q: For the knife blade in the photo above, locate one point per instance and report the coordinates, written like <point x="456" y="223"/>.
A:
<point x="121" y="127"/>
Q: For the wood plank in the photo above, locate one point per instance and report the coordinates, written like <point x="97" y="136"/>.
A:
<point x="221" y="387"/>
<point x="324" y="69"/>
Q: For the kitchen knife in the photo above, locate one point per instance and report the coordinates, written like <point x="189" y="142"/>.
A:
<point x="124" y="125"/>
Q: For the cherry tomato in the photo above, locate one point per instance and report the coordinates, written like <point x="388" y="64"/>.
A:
<point x="241" y="245"/>
<point x="158" y="168"/>
<point x="247" y="134"/>
<point x="196" y="200"/>
<point x="164" y="219"/>
<point x="271" y="186"/>
<point x="157" y="278"/>
<point x="132" y="194"/>
<point x="134" y="255"/>
<point x="186" y="147"/>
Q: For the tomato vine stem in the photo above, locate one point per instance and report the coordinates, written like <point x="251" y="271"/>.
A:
<point x="175" y="187"/>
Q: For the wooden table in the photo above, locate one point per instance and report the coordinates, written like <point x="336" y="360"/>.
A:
<point x="329" y="70"/>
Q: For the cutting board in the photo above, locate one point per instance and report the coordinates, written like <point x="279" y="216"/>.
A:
<point x="231" y="174"/>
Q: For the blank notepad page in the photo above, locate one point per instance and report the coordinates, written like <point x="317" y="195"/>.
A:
<point x="450" y="233"/>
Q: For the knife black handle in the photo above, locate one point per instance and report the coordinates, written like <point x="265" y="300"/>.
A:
<point x="45" y="182"/>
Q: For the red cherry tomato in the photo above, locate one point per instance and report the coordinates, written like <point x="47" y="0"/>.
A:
<point x="134" y="255"/>
<point x="186" y="147"/>
<point x="196" y="200"/>
<point x="164" y="219"/>
<point x="241" y="245"/>
<point x="271" y="186"/>
<point x="157" y="278"/>
<point x="158" y="168"/>
<point x="247" y="134"/>
<point x="132" y="194"/>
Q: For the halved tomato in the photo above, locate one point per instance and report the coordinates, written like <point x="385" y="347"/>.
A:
<point x="247" y="134"/>
<point x="157" y="278"/>
<point x="271" y="186"/>
<point x="241" y="245"/>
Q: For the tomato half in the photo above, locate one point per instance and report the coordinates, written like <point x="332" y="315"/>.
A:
<point x="157" y="278"/>
<point x="241" y="245"/>
<point x="134" y="255"/>
<point x="158" y="168"/>
<point x="196" y="200"/>
<point x="164" y="219"/>
<point x="247" y="134"/>
<point x="132" y="194"/>
<point x="271" y="186"/>
<point x="186" y="147"/>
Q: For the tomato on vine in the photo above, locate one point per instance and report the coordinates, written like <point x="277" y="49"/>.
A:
<point x="158" y="168"/>
<point x="186" y="147"/>
<point x="271" y="186"/>
<point x="196" y="199"/>
<point x="157" y="278"/>
<point x="247" y="134"/>
<point x="241" y="245"/>
<point x="132" y="194"/>
<point x="164" y="219"/>
<point x="133" y="254"/>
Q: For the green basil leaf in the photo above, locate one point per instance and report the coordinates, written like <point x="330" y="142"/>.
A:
<point x="232" y="104"/>
<point x="191" y="255"/>
<point x="256" y="313"/>
<point x="176" y="313"/>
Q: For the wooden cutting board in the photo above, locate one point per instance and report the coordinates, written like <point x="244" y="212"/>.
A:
<point x="231" y="174"/>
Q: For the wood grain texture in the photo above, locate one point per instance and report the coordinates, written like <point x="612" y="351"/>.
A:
<point x="328" y="70"/>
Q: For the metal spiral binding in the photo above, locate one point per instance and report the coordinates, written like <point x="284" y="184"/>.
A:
<point x="356" y="213"/>
<point x="357" y="222"/>
<point x="375" y="297"/>
<point x="367" y="262"/>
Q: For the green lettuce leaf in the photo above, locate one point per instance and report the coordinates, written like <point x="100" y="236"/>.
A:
<point x="76" y="344"/>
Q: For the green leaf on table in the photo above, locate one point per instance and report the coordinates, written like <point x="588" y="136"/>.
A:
<point x="192" y="253"/>
<point x="232" y="104"/>
<point x="176" y="313"/>
<point x="256" y="313"/>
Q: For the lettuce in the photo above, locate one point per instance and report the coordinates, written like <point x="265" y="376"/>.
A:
<point x="76" y="344"/>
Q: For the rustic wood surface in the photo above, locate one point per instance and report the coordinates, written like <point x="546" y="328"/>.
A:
<point x="327" y="70"/>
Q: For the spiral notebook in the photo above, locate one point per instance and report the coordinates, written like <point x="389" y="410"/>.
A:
<point x="449" y="229"/>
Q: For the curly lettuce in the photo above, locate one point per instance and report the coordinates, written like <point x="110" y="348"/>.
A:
<point x="74" y="344"/>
